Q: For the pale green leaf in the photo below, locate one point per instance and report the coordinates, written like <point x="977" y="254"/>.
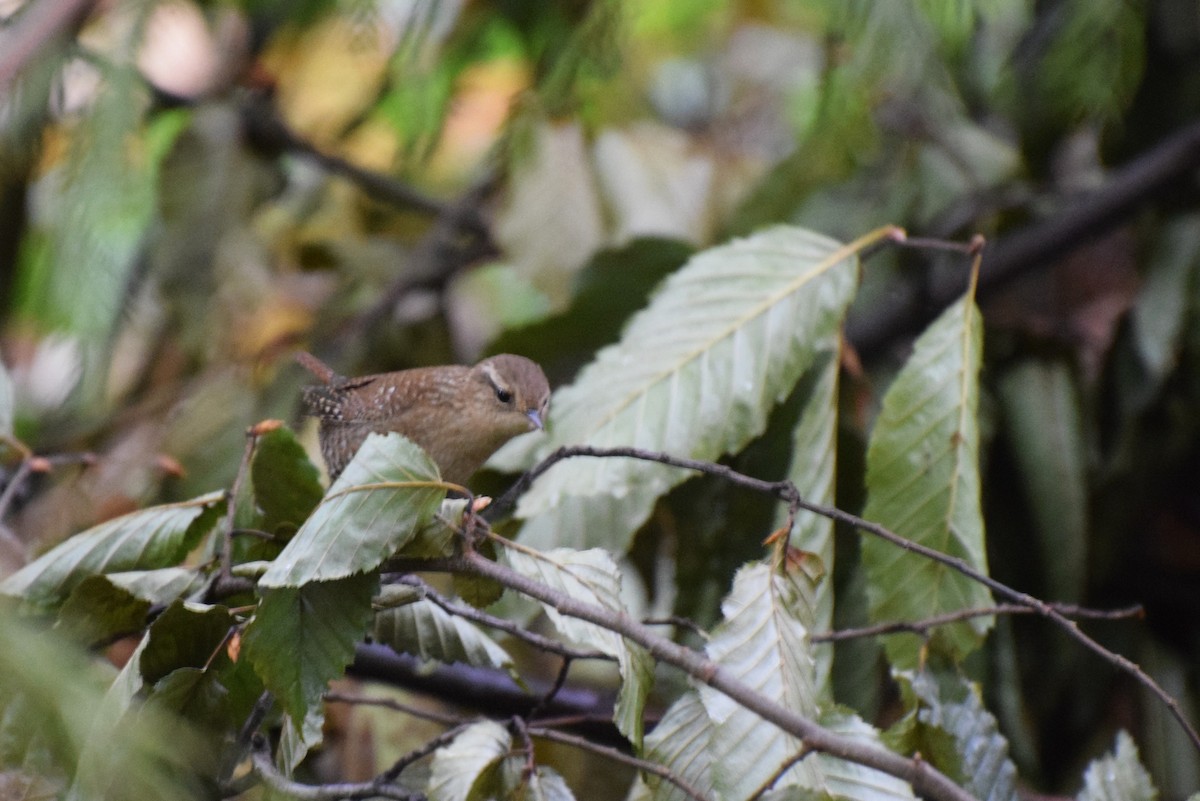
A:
<point x="814" y="472"/>
<point x="385" y="495"/>
<point x="695" y="375"/>
<point x="923" y="483"/>
<point x="160" y="536"/>
<point x="1118" y="776"/>
<point x="1044" y="420"/>
<point x="546" y="785"/>
<point x="841" y="779"/>
<point x="592" y="577"/>
<point x="297" y="738"/>
<point x="763" y="643"/>
<point x="301" y="637"/>
<point x="412" y="624"/>
<point x="1160" y="311"/>
<point x="6" y="402"/>
<point x="951" y="704"/>
<point x="461" y="767"/>
<point x="160" y="586"/>
<point x="681" y="742"/>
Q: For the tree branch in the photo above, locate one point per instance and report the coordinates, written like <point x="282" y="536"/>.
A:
<point x="787" y="492"/>
<point x="923" y="777"/>
<point x="906" y="307"/>
<point x="40" y="23"/>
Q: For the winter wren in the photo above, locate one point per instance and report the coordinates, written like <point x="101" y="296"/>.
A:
<point x="459" y="415"/>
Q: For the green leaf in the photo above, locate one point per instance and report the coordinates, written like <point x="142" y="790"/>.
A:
<point x="694" y="375"/>
<point x="287" y="486"/>
<point x="301" y="637"/>
<point x="184" y="635"/>
<point x="1044" y="420"/>
<point x="608" y="290"/>
<point x="680" y="742"/>
<point x="545" y="785"/>
<point x="469" y="764"/>
<point x="412" y="624"/>
<point x="160" y="536"/>
<point x="162" y="586"/>
<point x="387" y="492"/>
<point x="592" y="577"/>
<point x="923" y="483"/>
<point x="1118" y="776"/>
<point x="96" y="611"/>
<point x="6" y="402"/>
<point x="763" y="643"/>
<point x="979" y="759"/>
<point x="842" y="779"/>
<point x="814" y="472"/>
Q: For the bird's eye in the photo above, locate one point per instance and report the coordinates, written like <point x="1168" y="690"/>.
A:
<point x="503" y="395"/>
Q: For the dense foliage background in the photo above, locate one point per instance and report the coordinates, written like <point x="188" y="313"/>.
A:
<point x="191" y="191"/>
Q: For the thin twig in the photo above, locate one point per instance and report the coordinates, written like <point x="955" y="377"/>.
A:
<point x="678" y="622"/>
<point x="544" y="733"/>
<point x="560" y="681"/>
<point x="260" y="758"/>
<point x="501" y="624"/>
<point x="787" y="765"/>
<point x="443" y="718"/>
<point x="924" y="778"/>
<point x="226" y="571"/>
<point x="922" y="627"/>
<point x="445" y="738"/>
<point x="787" y="492"/>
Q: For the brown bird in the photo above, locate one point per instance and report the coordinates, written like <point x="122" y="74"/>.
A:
<point x="459" y="415"/>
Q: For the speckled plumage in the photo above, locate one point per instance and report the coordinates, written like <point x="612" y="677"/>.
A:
<point x="459" y="415"/>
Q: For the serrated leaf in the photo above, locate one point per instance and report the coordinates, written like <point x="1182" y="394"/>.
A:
<point x="421" y="627"/>
<point x="814" y="472"/>
<point x="96" y="611"/>
<point x="461" y="767"/>
<point x="301" y="637"/>
<point x="923" y="483"/>
<point x="387" y="492"/>
<point x="593" y="577"/>
<point x="287" y="486"/>
<point x="762" y="642"/>
<point x="184" y="636"/>
<point x="1118" y="776"/>
<point x="695" y="375"/>
<point x="160" y="536"/>
<point x="951" y="704"/>
<point x="681" y="742"/>
<point x="1044" y="420"/>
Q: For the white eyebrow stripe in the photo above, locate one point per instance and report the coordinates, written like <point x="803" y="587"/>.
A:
<point x="489" y="370"/>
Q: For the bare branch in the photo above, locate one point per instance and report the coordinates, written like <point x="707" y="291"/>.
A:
<point x="786" y="491"/>
<point x="543" y="733"/>
<point x="922" y="627"/>
<point x="491" y="621"/>
<point x="265" y="768"/>
<point x="924" y="778"/>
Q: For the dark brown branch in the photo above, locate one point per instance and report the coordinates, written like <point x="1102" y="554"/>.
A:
<point x="39" y="24"/>
<point x="268" y="131"/>
<point x="646" y="766"/>
<point x="787" y="492"/>
<point x="501" y="624"/>
<point x="260" y="757"/>
<point x="922" y="627"/>
<point x="925" y="779"/>
<point x="907" y="308"/>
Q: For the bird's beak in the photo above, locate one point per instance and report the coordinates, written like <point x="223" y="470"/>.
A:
<point x="533" y="415"/>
